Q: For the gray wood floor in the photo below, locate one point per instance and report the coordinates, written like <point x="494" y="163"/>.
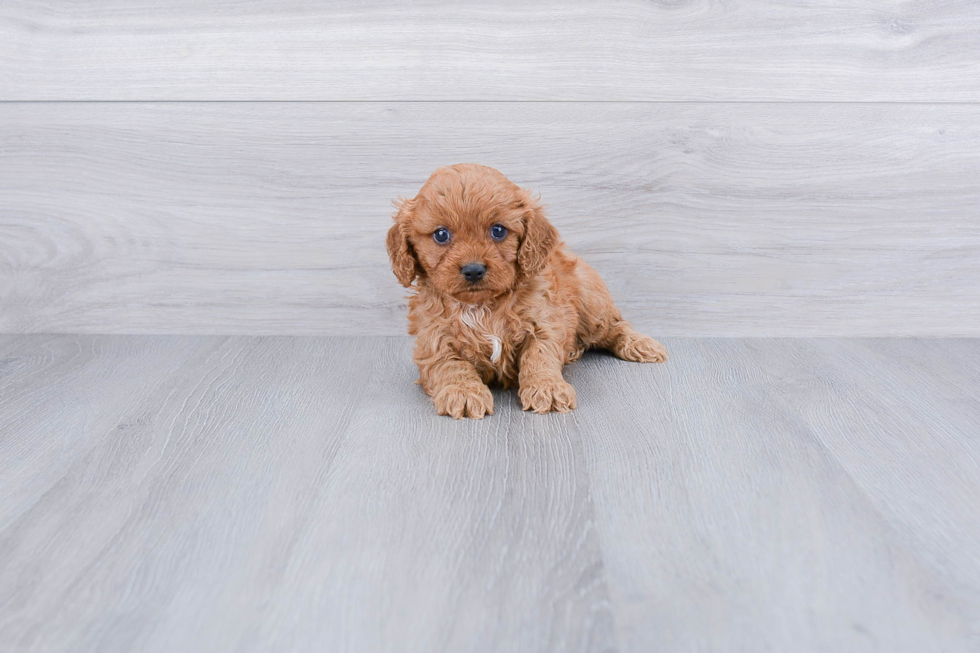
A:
<point x="165" y="493"/>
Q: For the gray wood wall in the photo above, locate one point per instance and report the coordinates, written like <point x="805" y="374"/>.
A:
<point x="731" y="168"/>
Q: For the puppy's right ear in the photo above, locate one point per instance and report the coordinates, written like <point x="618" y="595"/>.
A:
<point x="404" y="263"/>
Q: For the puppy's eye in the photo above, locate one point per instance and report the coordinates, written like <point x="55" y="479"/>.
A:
<point x="441" y="235"/>
<point x="498" y="232"/>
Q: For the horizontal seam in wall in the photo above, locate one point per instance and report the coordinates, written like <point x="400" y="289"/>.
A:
<point x="720" y="102"/>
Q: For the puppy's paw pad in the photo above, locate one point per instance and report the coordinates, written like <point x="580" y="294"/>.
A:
<point x="458" y="402"/>
<point x="642" y="349"/>
<point x="548" y="395"/>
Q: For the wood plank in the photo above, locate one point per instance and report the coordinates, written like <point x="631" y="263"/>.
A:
<point x="193" y="490"/>
<point x="440" y="535"/>
<point x="52" y="415"/>
<point x="766" y="219"/>
<point x="635" y="50"/>
<point x="903" y="420"/>
<point x="286" y="494"/>
<point x="750" y="499"/>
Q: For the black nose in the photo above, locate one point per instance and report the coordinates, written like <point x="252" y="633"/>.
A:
<point x="473" y="272"/>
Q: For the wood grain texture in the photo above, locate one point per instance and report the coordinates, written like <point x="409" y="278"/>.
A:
<point x="678" y="50"/>
<point x="166" y="500"/>
<point x="760" y="219"/>
<point x="281" y="494"/>
<point x="787" y="495"/>
<point x="201" y="494"/>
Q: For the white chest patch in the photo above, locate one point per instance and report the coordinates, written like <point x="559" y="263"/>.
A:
<point x="497" y="347"/>
<point x="474" y="316"/>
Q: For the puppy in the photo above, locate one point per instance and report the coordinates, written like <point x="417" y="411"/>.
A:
<point x="499" y="298"/>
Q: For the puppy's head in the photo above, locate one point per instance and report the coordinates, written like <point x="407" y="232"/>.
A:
<point x="471" y="233"/>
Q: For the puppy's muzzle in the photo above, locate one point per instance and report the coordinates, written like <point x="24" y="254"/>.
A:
<point x="473" y="272"/>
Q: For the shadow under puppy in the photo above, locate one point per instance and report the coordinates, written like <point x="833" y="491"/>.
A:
<point x="499" y="298"/>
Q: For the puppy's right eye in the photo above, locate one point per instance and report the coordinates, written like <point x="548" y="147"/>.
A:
<point x="441" y="235"/>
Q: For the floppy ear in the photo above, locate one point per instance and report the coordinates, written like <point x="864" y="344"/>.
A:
<point x="403" y="261"/>
<point x="540" y="239"/>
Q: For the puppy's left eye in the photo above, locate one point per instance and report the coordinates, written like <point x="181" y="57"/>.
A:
<point x="498" y="232"/>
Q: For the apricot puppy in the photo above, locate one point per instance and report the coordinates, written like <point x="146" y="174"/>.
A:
<point x="498" y="296"/>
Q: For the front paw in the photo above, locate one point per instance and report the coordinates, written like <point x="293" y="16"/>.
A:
<point x="546" y="395"/>
<point x="459" y="401"/>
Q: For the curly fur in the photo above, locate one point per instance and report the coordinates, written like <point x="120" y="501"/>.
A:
<point x="538" y="307"/>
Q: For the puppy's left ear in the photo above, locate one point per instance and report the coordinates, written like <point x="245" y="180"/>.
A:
<point x="404" y="263"/>
<point x="540" y="239"/>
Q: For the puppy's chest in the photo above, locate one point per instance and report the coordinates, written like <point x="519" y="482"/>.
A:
<point x="488" y="340"/>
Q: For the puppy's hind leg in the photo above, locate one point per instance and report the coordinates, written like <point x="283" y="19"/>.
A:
<point x="602" y="325"/>
<point x="631" y="345"/>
